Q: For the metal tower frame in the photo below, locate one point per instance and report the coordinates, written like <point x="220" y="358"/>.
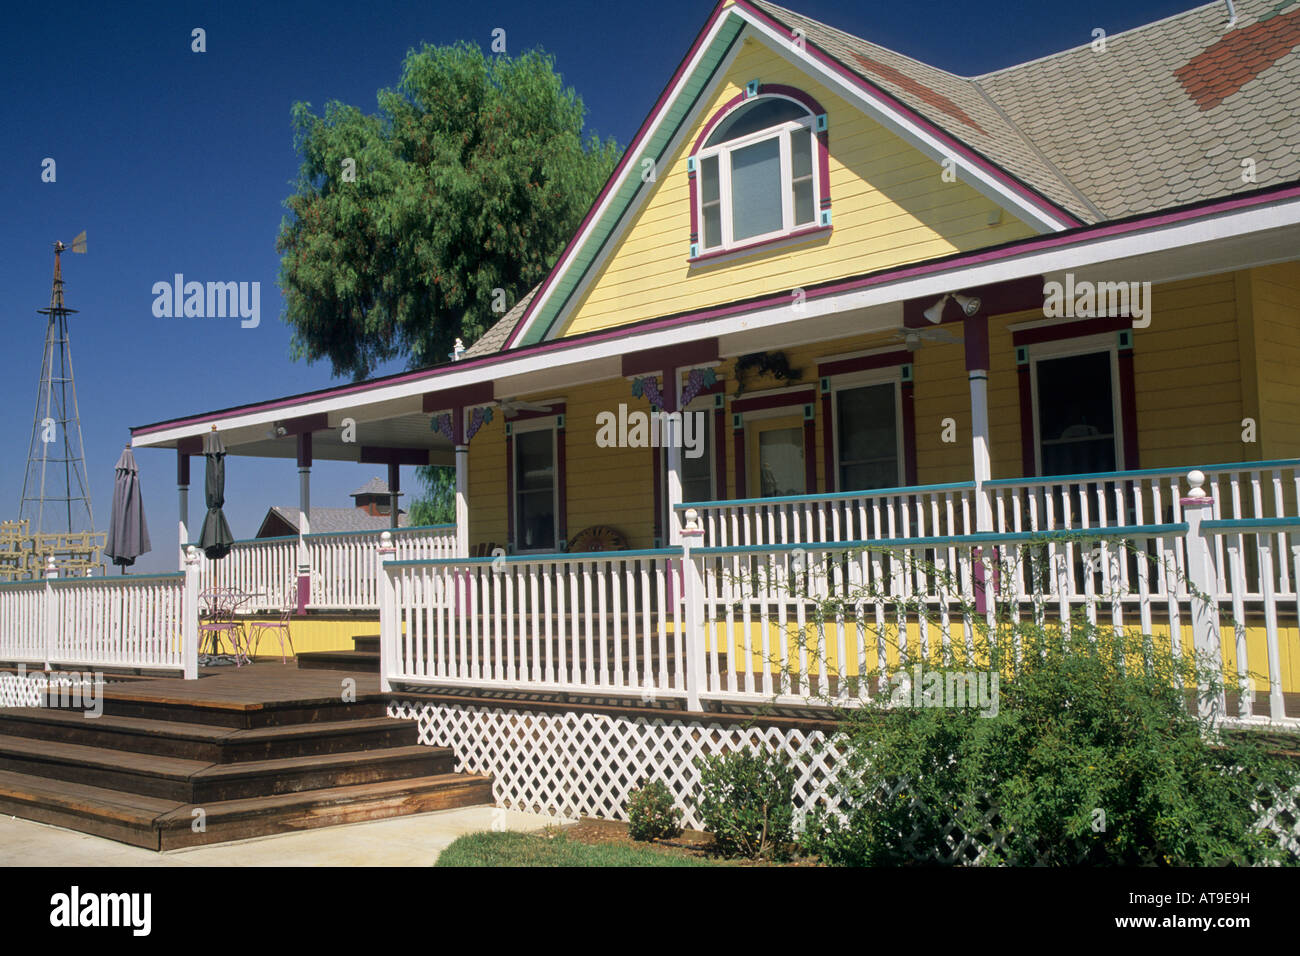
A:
<point x="53" y="410"/>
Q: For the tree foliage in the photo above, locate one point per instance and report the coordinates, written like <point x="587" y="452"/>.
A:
<point x="470" y="177"/>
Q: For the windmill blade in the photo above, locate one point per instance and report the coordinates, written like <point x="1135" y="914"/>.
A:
<point x="79" y="243"/>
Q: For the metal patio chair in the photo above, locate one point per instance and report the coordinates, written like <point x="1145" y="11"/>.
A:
<point x="279" y="624"/>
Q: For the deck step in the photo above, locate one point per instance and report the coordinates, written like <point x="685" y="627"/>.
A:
<point x="197" y="781"/>
<point x="265" y="749"/>
<point x="365" y="661"/>
<point x="159" y="824"/>
<point x="203" y="741"/>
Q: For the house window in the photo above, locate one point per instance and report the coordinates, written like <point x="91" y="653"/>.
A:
<point x="757" y="176"/>
<point x="780" y="462"/>
<point x="1075" y="401"/>
<point x="868" y="436"/>
<point x="535" y="489"/>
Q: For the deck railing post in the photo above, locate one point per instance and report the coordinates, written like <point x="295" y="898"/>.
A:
<point x="51" y="612"/>
<point x="190" y="631"/>
<point x="1203" y="581"/>
<point x="388" y="618"/>
<point x="692" y="534"/>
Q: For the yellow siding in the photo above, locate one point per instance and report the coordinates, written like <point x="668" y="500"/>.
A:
<point x="1276" y="309"/>
<point x="889" y="205"/>
<point x="318" y="633"/>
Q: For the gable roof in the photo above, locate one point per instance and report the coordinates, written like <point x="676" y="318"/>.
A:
<point x="1162" y="118"/>
<point x="494" y="339"/>
<point x="326" y="520"/>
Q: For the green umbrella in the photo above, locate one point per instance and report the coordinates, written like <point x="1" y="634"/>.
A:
<point x="216" y="539"/>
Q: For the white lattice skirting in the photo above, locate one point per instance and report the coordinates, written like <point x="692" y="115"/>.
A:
<point x="19" y="691"/>
<point x="582" y="763"/>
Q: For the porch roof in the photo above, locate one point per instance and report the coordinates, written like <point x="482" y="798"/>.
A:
<point x="392" y="412"/>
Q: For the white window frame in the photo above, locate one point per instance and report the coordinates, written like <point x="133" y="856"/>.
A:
<point x="527" y="425"/>
<point x="864" y="379"/>
<point x="1064" y="348"/>
<point x="723" y="152"/>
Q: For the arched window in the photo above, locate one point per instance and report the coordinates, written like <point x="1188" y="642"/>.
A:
<point x="760" y="171"/>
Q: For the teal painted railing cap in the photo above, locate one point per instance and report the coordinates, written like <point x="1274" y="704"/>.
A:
<point x="831" y="496"/>
<point x="1144" y="473"/>
<point x="555" y="557"/>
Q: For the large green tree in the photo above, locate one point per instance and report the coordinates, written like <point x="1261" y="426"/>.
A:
<point x="469" y="179"/>
<point x="405" y="223"/>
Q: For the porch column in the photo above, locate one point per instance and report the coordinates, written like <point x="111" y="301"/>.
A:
<point x="462" y="500"/>
<point x="672" y="438"/>
<point x="304" y="519"/>
<point x="394" y="491"/>
<point x="183" y="496"/>
<point x="977" y="368"/>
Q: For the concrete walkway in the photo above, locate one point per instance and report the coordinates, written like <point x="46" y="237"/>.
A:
<point x="398" y="841"/>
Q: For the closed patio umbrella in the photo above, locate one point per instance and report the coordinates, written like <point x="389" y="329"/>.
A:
<point x="128" y="535"/>
<point x="216" y="539"/>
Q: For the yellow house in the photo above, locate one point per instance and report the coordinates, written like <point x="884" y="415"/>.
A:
<point x="835" y="294"/>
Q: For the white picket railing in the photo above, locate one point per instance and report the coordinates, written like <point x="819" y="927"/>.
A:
<point x="740" y="623"/>
<point x="262" y="568"/>
<point x="345" y="569"/>
<point x="605" y="623"/>
<point x="131" y="621"/>
<point x="845" y="516"/>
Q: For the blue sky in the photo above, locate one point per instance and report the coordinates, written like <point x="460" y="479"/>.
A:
<point x="174" y="161"/>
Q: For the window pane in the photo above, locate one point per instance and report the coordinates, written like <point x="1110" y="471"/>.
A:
<point x="757" y="115"/>
<point x="756" y="189"/>
<point x="712" y="226"/>
<point x="534" y="490"/>
<point x="800" y="153"/>
<point x="868" y="437"/>
<point x="697" y="473"/>
<point x="780" y="462"/>
<point x="1076" y="414"/>
<point x="709" y="179"/>
<point x="803" y="202"/>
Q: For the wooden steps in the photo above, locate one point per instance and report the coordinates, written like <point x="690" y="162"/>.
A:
<point x="142" y="772"/>
<point x="363" y="657"/>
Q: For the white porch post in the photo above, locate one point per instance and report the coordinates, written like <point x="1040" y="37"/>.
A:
<point x="183" y="496"/>
<point x="462" y="501"/>
<point x="977" y="368"/>
<point x="190" y="641"/>
<point x="304" y="519"/>
<point x="692" y="609"/>
<point x="1203" y="578"/>
<point x="388" y="623"/>
<point x="672" y="439"/>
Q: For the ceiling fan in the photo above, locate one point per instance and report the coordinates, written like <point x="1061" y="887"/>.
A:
<point x="913" y="339"/>
<point x="511" y="407"/>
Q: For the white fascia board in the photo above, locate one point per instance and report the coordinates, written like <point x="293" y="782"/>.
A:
<point x="973" y="174"/>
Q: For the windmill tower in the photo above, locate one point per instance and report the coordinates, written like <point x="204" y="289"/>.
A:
<point x="55" y="499"/>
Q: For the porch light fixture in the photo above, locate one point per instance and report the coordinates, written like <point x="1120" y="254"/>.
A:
<point x="969" y="304"/>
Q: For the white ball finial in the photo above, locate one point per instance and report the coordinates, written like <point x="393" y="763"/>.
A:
<point x="692" y="519"/>
<point x="1196" y="478"/>
<point x="386" y="539"/>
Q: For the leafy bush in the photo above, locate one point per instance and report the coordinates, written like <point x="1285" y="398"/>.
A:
<point x="1092" y="757"/>
<point x="652" y="814"/>
<point x="746" y="802"/>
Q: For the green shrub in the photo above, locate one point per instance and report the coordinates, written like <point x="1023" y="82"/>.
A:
<point x="1092" y="757"/>
<point x="746" y="802"/>
<point x="652" y="814"/>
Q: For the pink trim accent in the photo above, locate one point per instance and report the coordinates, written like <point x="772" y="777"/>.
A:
<point x="864" y="362"/>
<point x="1010" y="250"/>
<point x="782" y="400"/>
<point x="304" y="592"/>
<point x="1071" y="330"/>
<point x="784" y="237"/>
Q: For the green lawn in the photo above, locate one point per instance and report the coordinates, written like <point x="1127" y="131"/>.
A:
<point x="527" y="849"/>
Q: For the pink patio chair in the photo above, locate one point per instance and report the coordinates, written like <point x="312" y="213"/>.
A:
<point x="279" y="624"/>
<point x="218" y="618"/>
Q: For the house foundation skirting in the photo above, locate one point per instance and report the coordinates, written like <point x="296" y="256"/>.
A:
<point x="572" y="763"/>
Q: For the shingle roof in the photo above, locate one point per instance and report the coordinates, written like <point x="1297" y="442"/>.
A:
<point x="494" y="339"/>
<point x="324" y="520"/>
<point x="375" y="486"/>
<point x="1163" y="117"/>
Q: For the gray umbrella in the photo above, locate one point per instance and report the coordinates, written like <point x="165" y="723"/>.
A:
<point x="216" y="539"/>
<point x="128" y="535"/>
